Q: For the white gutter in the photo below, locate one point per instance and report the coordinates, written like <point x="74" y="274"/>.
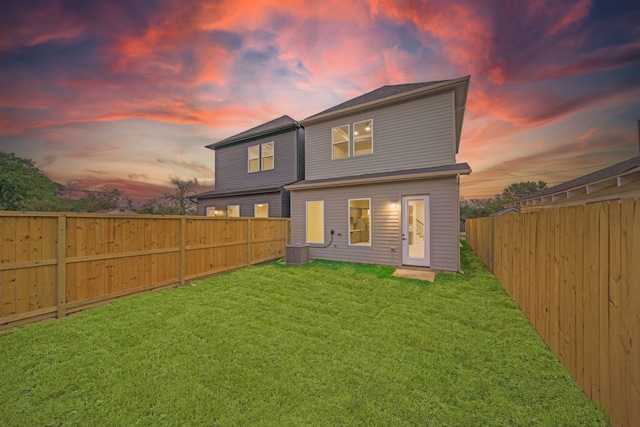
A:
<point x="376" y="180"/>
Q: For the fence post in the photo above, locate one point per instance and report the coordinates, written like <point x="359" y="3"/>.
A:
<point x="61" y="255"/>
<point x="183" y="249"/>
<point x="249" y="241"/>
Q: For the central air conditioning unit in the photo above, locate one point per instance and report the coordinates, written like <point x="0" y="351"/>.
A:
<point x="297" y="254"/>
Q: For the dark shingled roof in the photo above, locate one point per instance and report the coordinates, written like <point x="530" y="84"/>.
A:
<point x="380" y="93"/>
<point x="274" y="126"/>
<point x="602" y="174"/>
<point x="458" y="167"/>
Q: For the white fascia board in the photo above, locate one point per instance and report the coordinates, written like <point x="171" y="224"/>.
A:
<point x="381" y="179"/>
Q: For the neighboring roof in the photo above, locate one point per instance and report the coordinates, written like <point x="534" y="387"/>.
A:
<point x="230" y="193"/>
<point x="587" y="183"/>
<point x="121" y="211"/>
<point x="398" y="175"/>
<point x="397" y="93"/>
<point x="273" y="127"/>
<point x="512" y="209"/>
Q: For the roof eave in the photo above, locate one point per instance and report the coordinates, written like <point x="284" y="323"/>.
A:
<point x="218" y="195"/>
<point x="438" y="87"/>
<point x="377" y="180"/>
<point x="619" y="180"/>
<point x="233" y="141"/>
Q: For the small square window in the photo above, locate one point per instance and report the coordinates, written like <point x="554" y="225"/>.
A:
<point x="233" y="211"/>
<point x="261" y="210"/>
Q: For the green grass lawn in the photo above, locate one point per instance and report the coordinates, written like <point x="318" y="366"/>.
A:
<point x="322" y="344"/>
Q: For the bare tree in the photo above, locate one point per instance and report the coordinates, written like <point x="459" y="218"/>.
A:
<point x="176" y="202"/>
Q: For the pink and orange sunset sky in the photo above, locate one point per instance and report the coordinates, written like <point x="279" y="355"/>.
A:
<point x="126" y="93"/>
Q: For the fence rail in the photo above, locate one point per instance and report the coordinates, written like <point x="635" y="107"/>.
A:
<point x="54" y="264"/>
<point x="575" y="273"/>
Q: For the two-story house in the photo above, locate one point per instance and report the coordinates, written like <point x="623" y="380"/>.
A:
<point x="251" y="169"/>
<point x="382" y="183"/>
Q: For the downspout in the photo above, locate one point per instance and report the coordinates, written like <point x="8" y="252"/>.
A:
<point x="458" y="219"/>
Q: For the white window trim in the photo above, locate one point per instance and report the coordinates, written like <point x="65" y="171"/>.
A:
<point x="255" y="207"/>
<point x="231" y="206"/>
<point x="348" y="142"/>
<point x="210" y="209"/>
<point x="273" y="156"/>
<point x="354" y="138"/>
<point x="349" y="222"/>
<point x="351" y="140"/>
<point x="261" y="157"/>
<point x="249" y="159"/>
<point x="306" y="222"/>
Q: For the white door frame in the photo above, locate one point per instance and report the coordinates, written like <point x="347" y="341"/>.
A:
<point x="425" y="261"/>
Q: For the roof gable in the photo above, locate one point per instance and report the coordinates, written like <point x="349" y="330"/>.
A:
<point x="380" y="93"/>
<point x="392" y="94"/>
<point x="272" y="127"/>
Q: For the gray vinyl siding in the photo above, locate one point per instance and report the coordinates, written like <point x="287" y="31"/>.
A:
<point x="286" y="203"/>
<point x="246" y="204"/>
<point x="413" y="134"/>
<point x="386" y="233"/>
<point x="232" y="171"/>
<point x="301" y="146"/>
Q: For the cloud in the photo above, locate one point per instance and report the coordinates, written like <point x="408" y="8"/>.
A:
<point x="199" y="168"/>
<point x="120" y="84"/>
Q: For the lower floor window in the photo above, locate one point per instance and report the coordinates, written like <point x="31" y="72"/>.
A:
<point x="212" y="211"/>
<point x="261" y="210"/>
<point x="360" y="222"/>
<point x="233" y="211"/>
<point x="315" y="222"/>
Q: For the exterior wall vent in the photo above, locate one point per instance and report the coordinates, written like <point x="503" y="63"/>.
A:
<point x="297" y="254"/>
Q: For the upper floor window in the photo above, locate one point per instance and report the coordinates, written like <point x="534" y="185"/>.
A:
<point x="340" y="141"/>
<point x="267" y="156"/>
<point x="261" y="157"/>
<point x="363" y="138"/>
<point x="342" y="144"/>
<point x="254" y="158"/>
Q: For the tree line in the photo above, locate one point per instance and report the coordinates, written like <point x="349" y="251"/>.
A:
<point x="24" y="187"/>
<point x="476" y="208"/>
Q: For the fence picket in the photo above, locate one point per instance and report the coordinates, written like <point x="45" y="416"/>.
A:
<point x="583" y="296"/>
<point x="51" y="264"/>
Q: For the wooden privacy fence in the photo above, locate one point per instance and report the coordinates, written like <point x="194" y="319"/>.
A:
<point x="52" y="264"/>
<point x="575" y="272"/>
